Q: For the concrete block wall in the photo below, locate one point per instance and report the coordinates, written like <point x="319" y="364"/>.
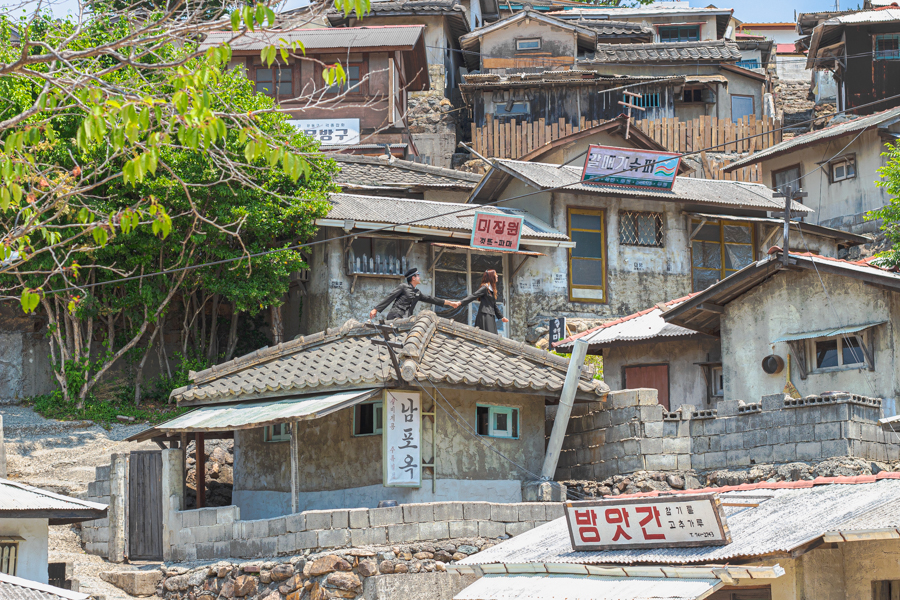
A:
<point x="635" y="434"/>
<point x="106" y="537"/>
<point x="95" y="534"/>
<point x="211" y="533"/>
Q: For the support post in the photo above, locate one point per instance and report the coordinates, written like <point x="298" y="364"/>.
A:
<point x="295" y="472"/>
<point x="566" y="400"/>
<point x="183" y="442"/>
<point x="200" y="479"/>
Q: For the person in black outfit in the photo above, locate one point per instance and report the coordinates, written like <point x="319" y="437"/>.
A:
<point x="405" y="297"/>
<point x="488" y="311"/>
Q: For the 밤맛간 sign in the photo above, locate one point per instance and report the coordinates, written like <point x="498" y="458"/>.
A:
<point x="402" y="435"/>
<point x="606" y="165"/>
<point x="496" y="232"/>
<point x="653" y="522"/>
<point x="330" y="132"/>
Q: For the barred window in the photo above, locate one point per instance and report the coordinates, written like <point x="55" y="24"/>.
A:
<point x="9" y="556"/>
<point x="641" y="229"/>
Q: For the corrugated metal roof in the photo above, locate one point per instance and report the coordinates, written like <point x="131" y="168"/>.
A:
<point x="807" y="335"/>
<point x="433" y="215"/>
<point x="787" y="520"/>
<point x="574" y="587"/>
<point x="645" y="11"/>
<point x="883" y="15"/>
<point x="20" y="497"/>
<point x="259" y="414"/>
<point x="814" y="137"/>
<point x="17" y="588"/>
<point x="685" y="189"/>
<point x="711" y="51"/>
<point x="326" y="38"/>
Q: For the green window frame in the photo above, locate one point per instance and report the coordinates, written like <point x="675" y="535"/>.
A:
<point x="280" y="432"/>
<point x="368" y="418"/>
<point x="587" y="260"/>
<point x="711" y="259"/>
<point x="497" y="421"/>
<point x="684" y="33"/>
<point x="887" y="46"/>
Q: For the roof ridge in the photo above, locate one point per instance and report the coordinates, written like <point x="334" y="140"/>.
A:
<point x="419" y="335"/>
<point x="406" y="164"/>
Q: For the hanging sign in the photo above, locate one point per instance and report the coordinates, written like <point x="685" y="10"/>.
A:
<point x="330" y="132"/>
<point x="402" y="439"/>
<point x="681" y="520"/>
<point x="629" y="167"/>
<point x="496" y="232"/>
<point x="557" y="330"/>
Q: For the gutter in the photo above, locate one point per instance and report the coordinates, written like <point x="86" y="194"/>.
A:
<point x="726" y="574"/>
<point x="456" y="235"/>
<point x="860" y="535"/>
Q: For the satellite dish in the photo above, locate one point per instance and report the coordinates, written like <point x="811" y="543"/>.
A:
<point x="773" y="364"/>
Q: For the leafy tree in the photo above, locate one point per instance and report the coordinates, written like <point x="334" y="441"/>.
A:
<point x="890" y="214"/>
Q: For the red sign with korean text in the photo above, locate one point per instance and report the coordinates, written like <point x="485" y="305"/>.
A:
<point x="496" y="232"/>
<point x="653" y="522"/>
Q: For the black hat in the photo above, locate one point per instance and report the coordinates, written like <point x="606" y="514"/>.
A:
<point x="411" y="273"/>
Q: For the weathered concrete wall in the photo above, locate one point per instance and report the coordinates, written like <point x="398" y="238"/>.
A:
<point x="338" y="469"/>
<point x="33" y="550"/>
<point x="499" y="54"/>
<point x="686" y="382"/>
<point x="793" y="302"/>
<point x="740" y="85"/>
<point x="24" y="355"/>
<point x="95" y="534"/>
<point x="106" y="537"/>
<point x="636" y="434"/>
<point x="842" y="204"/>
<point x="791" y="67"/>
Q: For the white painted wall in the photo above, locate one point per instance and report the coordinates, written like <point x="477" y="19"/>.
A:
<point x="33" y="551"/>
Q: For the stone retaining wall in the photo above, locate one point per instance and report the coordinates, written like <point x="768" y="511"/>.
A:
<point x="635" y="434"/>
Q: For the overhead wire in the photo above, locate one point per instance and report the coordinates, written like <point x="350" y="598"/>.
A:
<point x="394" y="226"/>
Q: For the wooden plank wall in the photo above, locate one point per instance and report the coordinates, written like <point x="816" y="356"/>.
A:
<point x="516" y="138"/>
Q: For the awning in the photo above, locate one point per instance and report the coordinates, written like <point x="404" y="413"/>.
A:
<point x="583" y="587"/>
<point x="461" y="247"/>
<point x="251" y="415"/>
<point x="808" y="335"/>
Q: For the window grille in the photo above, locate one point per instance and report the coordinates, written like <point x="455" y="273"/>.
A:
<point x="646" y="101"/>
<point x="9" y="557"/>
<point x="887" y="47"/>
<point x="641" y="229"/>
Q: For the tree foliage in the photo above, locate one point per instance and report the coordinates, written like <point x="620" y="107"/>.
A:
<point x="890" y="214"/>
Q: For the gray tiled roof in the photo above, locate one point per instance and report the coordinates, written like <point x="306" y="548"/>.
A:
<point x="435" y="350"/>
<point x="615" y="28"/>
<point x="419" y="6"/>
<point x="815" y="137"/>
<point x="326" y="38"/>
<point x="17" y="588"/>
<point x="446" y="216"/>
<point x="685" y="189"/>
<point x="705" y="51"/>
<point x="365" y="171"/>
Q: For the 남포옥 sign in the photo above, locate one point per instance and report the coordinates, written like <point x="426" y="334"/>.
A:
<point x="629" y="167"/>
<point x="402" y="439"/>
<point x="496" y="232"/>
<point x="653" y="522"/>
<point x="330" y="132"/>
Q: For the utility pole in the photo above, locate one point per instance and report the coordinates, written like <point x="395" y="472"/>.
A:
<point x="789" y="195"/>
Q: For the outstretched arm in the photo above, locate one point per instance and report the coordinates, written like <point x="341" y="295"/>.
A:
<point x="476" y="295"/>
<point x="395" y="293"/>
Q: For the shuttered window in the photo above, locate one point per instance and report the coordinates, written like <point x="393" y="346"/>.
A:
<point x="9" y="557"/>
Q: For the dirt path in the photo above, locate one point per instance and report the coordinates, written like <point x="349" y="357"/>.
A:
<point x="61" y="457"/>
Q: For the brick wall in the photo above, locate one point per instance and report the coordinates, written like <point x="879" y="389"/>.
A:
<point x="635" y="434"/>
<point x="210" y="533"/>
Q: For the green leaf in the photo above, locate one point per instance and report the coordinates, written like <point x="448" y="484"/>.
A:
<point x="236" y="19"/>
<point x="16" y="192"/>
<point x="4" y="198"/>
<point x="30" y="299"/>
<point x="100" y="236"/>
<point x="260" y="13"/>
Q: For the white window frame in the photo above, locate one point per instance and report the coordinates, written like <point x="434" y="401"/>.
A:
<point x="502" y="328"/>
<point x="717" y="375"/>
<point x="521" y="41"/>
<point x="813" y="359"/>
<point x="283" y="435"/>
<point x="515" y="416"/>
<point x="378" y="423"/>
<point x="846" y="161"/>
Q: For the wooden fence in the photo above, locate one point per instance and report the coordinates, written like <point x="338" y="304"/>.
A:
<point x="516" y="138"/>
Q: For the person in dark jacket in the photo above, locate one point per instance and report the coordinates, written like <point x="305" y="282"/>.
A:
<point x="486" y="294"/>
<point x="405" y="297"/>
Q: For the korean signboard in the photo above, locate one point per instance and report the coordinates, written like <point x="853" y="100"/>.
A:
<point x="330" y="132"/>
<point x="629" y="167"/>
<point x="496" y="232"/>
<point x="402" y="439"/>
<point x="557" y="330"/>
<point x="652" y="522"/>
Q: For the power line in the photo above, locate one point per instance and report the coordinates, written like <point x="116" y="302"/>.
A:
<point x="450" y="213"/>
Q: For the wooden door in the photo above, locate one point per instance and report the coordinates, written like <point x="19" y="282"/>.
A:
<point x="145" y="505"/>
<point x="650" y="376"/>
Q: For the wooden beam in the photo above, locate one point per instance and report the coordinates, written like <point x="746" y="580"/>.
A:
<point x="710" y="307"/>
<point x="200" y="464"/>
<point x="796" y="347"/>
<point x="183" y="444"/>
<point x="870" y="360"/>
<point x="697" y="229"/>
<point x="295" y="467"/>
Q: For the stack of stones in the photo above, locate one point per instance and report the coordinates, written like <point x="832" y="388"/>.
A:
<point x="314" y="577"/>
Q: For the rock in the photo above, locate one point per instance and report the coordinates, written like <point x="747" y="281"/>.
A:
<point x="467" y="549"/>
<point x="405" y="556"/>
<point x="245" y="585"/>
<point x="386" y="567"/>
<point x="675" y="481"/>
<point x="272" y="595"/>
<point x="443" y="556"/>
<point x="344" y="580"/>
<point x="423" y="555"/>
<point x="328" y="564"/>
<point x="281" y="572"/>
<point x="440" y="566"/>
<point x="295" y="595"/>
<point x="458" y="556"/>
<point x="133" y="583"/>
<point x="265" y="577"/>
<point x="360" y="553"/>
<point x="401" y="568"/>
<point x="415" y="567"/>
<point x="178" y="583"/>
<point x="367" y="568"/>
<point x="386" y="555"/>
<point x="691" y="482"/>
<point x="623" y="485"/>
<point x="227" y="590"/>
